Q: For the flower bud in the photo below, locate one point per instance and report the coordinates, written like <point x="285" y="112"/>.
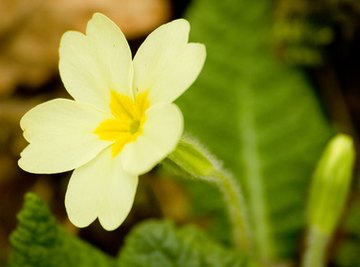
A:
<point x="191" y="158"/>
<point x="330" y="185"/>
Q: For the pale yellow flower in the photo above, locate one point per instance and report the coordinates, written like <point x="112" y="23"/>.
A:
<point x="122" y="121"/>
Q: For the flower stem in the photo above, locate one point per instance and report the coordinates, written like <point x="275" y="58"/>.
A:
<point x="236" y="209"/>
<point x="190" y="158"/>
<point x="315" y="250"/>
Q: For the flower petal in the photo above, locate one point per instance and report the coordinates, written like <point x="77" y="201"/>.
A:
<point x="162" y="131"/>
<point x="166" y="64"/>
<point x="113" y="53"/>
<point x="61" y="136"/>
<point x="100" y="189"/>
<point x="90" y="66"/>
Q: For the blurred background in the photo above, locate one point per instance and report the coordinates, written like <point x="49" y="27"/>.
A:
<point x="321" y="37"/>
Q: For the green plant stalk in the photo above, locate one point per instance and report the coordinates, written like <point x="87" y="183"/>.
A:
<point x="316" y="246"/>
<point x="236" y="209"/>
<point x="190" y="158"/>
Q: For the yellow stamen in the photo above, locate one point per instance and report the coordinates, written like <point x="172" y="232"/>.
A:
<point x="127" y="123"/>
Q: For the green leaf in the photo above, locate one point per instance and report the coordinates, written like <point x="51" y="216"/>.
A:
<point x="156" y="243"/>
<point x="259" y="116"/>
<point x="39" y="242"/>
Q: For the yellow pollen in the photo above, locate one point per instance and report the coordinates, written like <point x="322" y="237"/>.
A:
<point x="127" y="122"/>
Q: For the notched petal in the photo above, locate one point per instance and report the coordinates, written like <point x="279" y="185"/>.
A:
<point x="61" y="136"/>
<point x="100" y="189"/>
<point x="166" y="64"/>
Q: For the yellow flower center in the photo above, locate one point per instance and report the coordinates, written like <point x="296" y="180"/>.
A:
<point x="127" y="123"/>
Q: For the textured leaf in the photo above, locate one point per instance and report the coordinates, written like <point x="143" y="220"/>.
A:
<point x="39" y="242"/>
<point x="156" y="243"/>
<point x="260" y="116"/>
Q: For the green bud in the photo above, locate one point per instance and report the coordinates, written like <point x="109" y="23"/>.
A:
<point x="330" y="185"/>
<point x="191" y="158"/>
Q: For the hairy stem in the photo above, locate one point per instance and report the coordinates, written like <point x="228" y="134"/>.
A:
<point x="236" y="208"/>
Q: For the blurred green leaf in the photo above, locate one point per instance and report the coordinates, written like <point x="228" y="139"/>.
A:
<point x="39" y="242"/>
<point x="260" y="116"/>
<point x="158" y="243"/>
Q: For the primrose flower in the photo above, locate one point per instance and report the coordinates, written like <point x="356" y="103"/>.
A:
<point x="122" y="121"/>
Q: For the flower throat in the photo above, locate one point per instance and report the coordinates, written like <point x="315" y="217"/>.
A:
<point x="127" y="122"/>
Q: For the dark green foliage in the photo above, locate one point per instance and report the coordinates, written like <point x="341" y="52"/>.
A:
<point x="259" y="116"/>
<point x="35" y="240"/>
<point x="39" y="242"/>
<point x="156" y="243"/>
<point x="348" y="248"/>
<point x="304" y="29"/>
